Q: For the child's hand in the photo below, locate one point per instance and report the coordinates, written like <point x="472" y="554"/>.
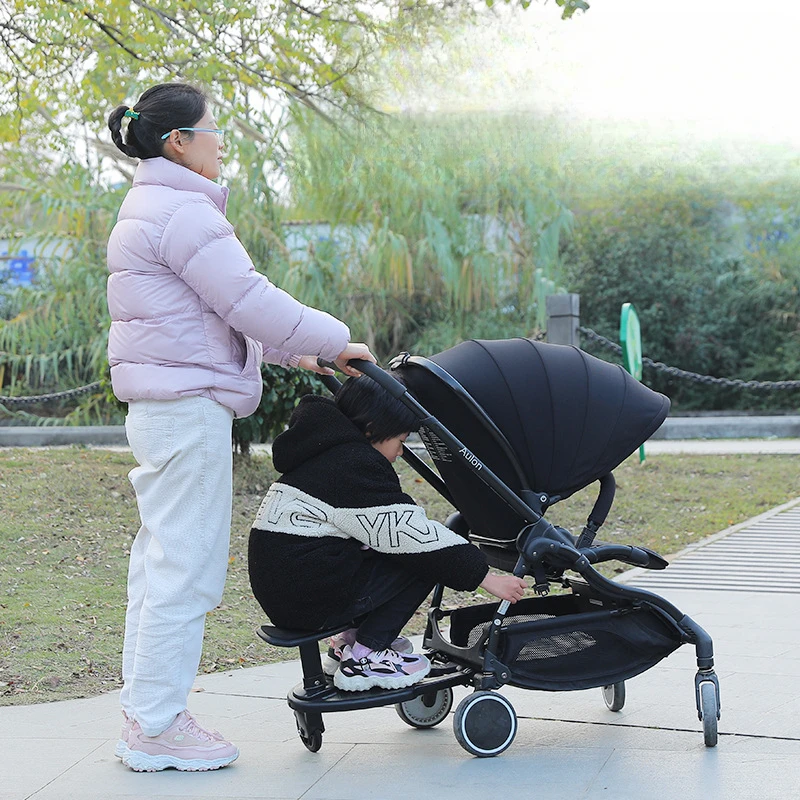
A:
<point x="505" y="587"/>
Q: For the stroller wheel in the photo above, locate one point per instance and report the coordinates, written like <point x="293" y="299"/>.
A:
<point x="710" y="712"/>
<point x="485" y="723"/>
<point x="614" y="696"/>
<point x="426" y="710"/>
<point x="310" y="729"/>
<point x="313" y="741"/>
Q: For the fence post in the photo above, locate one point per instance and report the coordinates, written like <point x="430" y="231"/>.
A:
<point x="563" y="318"/>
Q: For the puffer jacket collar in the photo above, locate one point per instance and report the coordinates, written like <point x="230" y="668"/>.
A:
<point x="163" y="172"/>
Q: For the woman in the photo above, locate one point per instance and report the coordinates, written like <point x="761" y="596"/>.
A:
<point x="191" y="322"/>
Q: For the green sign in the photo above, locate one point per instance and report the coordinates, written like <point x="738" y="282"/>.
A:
<point x="630" y="337"/>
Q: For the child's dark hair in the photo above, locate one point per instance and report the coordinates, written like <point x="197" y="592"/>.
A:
<point x="160" y="109"/>
<point x="377" y="414"/>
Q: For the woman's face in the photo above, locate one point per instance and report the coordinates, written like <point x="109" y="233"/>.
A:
<point x="199" y="151"/>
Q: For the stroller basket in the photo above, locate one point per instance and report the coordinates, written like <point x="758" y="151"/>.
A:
<point x="571" y="642"/>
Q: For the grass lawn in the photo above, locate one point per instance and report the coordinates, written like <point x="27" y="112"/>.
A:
<point x="68" y="517"/>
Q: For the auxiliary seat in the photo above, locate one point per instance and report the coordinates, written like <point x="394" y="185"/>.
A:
<point x="284" y="637"/>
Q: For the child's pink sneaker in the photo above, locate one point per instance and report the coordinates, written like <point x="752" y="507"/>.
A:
<point x="184" y="746"/>
<point x="330" y="661"/>
<point x="384" y="668"/>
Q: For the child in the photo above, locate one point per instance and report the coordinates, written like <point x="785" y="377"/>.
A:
<point x="336" y="539"/>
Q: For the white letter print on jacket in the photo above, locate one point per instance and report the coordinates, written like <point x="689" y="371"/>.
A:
<point x="398" y="528"/>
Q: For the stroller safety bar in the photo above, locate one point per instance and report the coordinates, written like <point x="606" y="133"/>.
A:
<point x="636" y="556"/>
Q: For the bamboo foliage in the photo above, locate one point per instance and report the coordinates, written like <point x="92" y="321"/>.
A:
<point x="431" y="220"/>
<point x="54" y="334"/>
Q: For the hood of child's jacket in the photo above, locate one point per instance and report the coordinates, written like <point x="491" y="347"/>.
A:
<point x="317" y="425"/>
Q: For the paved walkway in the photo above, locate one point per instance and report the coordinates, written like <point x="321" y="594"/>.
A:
<point x="568" y="745"/>
<point x="723" y="446"/>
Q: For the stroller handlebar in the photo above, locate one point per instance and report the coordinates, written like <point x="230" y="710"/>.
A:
<point x="380" y="376"/>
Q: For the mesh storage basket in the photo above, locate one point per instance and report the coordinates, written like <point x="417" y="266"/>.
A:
<point x="571" y="641"/>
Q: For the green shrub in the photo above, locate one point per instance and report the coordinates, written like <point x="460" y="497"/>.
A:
<point x="716" y="290"/>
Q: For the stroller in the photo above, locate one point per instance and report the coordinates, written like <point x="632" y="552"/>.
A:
<point x="513" y="427"/>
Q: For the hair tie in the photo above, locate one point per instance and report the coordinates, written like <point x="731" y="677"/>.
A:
<point x="131" y="113"/>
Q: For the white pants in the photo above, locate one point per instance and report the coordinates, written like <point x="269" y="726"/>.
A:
<point x="179" y="558"/>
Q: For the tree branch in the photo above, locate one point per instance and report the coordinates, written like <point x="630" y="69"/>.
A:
<point x="109" y="31"/>
<point x="321" y="15"/>
<point x="19" y="31"/>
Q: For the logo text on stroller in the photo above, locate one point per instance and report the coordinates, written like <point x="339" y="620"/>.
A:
<point x="471" y="458"/>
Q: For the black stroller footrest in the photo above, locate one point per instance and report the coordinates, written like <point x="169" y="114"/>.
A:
<point x="284" y="637"/>
<point x="333" y="699"/>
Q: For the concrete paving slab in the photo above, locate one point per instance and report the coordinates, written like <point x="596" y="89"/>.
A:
<point x="704" y="429"/>
<point x="93" y="717"/>
<point x="21" y="775"/>
<point x="693" y="775"/>
<point x="443" y="773"/>
<point x="737" y="426"/>
<point x="722" y="447"/>
<point x="262" y="771"/>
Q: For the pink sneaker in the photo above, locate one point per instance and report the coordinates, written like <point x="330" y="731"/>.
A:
<point x="185" y="746"/>
<point x="331" y="660"/>
<point x="384" y="668"/>
<point x="122" y="744"/>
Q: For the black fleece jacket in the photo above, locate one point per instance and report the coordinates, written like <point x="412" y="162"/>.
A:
<point x="336" y="495"/>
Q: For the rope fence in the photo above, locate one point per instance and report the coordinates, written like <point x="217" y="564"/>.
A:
<point x="694" y="377"/>
<point x="30" y="400"/>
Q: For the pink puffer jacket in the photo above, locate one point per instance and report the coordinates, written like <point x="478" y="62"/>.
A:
<point x="190" y="315"/>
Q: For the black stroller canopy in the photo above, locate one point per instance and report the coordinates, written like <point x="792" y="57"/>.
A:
<point x="569" y="417"/>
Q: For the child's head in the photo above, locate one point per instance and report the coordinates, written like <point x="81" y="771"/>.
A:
<point x="383" y="419"/>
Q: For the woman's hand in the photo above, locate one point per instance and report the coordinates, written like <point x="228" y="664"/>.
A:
<point x="310" y="363"/>
<point x="505" y="587"/>
<point x="354" y="350"/>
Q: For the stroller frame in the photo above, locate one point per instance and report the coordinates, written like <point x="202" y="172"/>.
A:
<point x="485" y="722"/>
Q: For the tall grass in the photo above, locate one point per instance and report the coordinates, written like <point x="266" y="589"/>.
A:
<point x="55" y="332"/>
<point x="436" y="223"/>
